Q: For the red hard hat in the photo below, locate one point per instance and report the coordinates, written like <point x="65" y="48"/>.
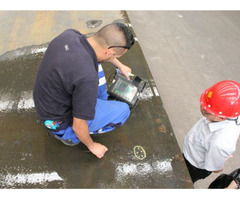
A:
<point x="222" y="99"/>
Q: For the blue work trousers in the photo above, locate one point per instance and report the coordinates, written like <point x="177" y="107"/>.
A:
<point x="108" y="114"/>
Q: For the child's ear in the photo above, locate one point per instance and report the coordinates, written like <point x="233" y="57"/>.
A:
<point x="221" y="118"/>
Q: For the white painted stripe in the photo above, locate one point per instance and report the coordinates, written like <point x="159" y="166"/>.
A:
<point x="34" y="178"/>
<point x="156" y="91"/>
<point x="102" y="81"/>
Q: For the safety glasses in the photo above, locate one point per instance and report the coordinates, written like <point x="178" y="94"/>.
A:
<point x="127" y="46"/>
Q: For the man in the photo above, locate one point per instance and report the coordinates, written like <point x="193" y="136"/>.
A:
<point x="66" y="88"/>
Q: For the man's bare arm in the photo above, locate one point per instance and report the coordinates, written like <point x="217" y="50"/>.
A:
<point x="80" y="128"/>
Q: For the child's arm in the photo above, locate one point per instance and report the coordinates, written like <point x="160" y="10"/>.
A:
<point x="232" y="185"/>
<point x="218" y="171"/>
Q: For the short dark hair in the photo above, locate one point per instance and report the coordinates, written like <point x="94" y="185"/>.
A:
<point x="127" y="33"/>
<point x="115" y="35"/>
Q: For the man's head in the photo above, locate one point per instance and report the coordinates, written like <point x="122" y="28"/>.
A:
<point x="221" y="101"/>
<point x="112" y="41"/>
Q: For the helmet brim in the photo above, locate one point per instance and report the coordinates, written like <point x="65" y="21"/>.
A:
<point x="203" y="102"/>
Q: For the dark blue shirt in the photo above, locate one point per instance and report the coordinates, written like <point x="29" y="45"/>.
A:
<point x="67" y="81"/>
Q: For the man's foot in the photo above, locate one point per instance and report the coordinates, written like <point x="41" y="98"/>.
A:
<point x="66" y="142"/>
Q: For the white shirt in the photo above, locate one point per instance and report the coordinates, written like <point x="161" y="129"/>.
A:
<point x="208" y="144"/>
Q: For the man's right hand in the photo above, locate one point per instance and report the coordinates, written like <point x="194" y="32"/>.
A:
<point x="80" y="128"/>
<point x="98" y="149"/>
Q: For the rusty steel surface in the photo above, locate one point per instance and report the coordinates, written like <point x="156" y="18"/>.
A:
<point x="143" y="153"/>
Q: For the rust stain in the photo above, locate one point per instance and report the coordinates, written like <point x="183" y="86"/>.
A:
<point x="13" y="37"/>
<point x="162" y="129"/>
<point x="158" y="121"/>
<point x="42" y="25"/>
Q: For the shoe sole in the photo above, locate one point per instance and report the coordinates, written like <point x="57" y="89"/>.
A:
<point x="68" y="143"/>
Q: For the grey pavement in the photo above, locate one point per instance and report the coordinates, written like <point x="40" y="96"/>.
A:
<point x="188" y="51"/>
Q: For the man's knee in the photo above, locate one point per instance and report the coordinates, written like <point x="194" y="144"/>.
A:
<point x="123" y="109"/>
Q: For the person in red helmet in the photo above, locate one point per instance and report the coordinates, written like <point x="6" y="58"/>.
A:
<point x="212" y="140"/>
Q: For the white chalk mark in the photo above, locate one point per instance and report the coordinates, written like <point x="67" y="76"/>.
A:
<point x="146" y="94"/>
<point x="34" y="178"/>
<point x="26" y="100"/>
<point x="7" y="101"/>
<point x="141" y="169"/>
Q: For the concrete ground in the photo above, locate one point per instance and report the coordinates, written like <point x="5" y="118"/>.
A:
<point x="187" y="52"/>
